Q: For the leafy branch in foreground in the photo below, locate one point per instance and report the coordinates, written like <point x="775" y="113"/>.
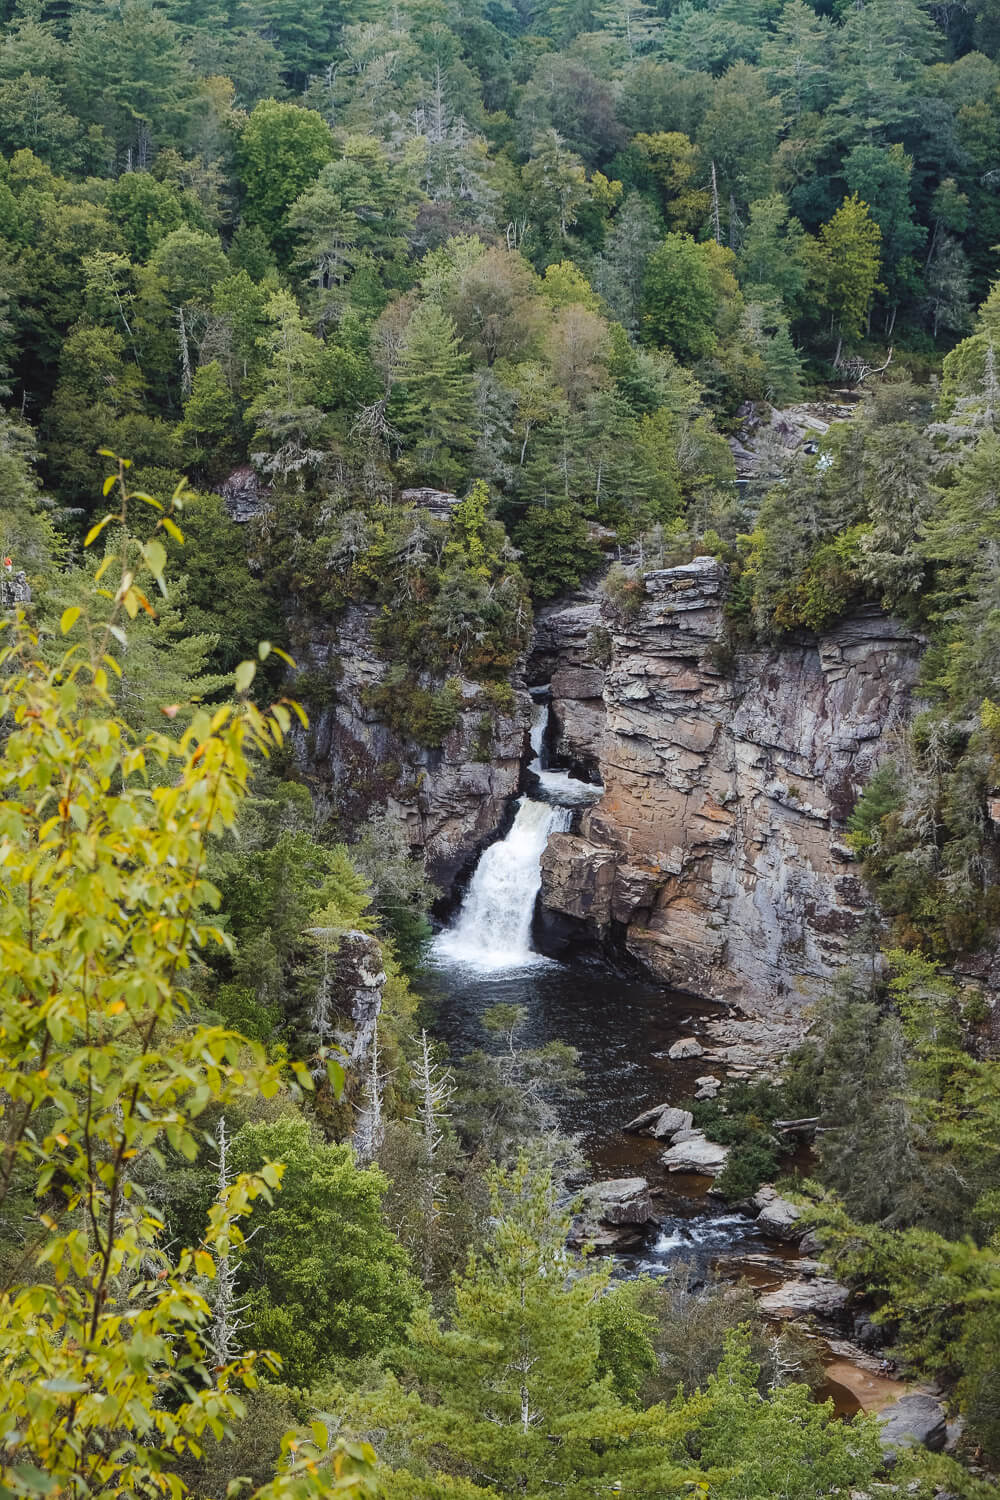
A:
<point x="106" y="1380"/>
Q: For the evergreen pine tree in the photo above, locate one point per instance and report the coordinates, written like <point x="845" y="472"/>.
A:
<point x="432" y="402"/>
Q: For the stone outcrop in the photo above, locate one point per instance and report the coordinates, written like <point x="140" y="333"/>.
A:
<point x="716" y="854"/>
<point x="776" y="1216"/>
<point x="438" y="503"/>
<point x="244" y="495"/>
<point x="817" y="1295"/>
<point x="449" y="800"/>
<point x="360" y="981"/>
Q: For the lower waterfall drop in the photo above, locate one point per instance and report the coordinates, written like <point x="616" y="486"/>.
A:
<point x="493" y="928"/>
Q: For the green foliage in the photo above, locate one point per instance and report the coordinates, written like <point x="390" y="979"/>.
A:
<point x="325" y="1279"/>
<point x="556" y="549"/>
<point x="107" y="903"/>
<point x="679" y="304"/>
<point x="524" y="1358"/>
<point x="281" y="151"/>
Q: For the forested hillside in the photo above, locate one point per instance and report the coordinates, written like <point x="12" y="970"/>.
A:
<point x="324" y="323"/>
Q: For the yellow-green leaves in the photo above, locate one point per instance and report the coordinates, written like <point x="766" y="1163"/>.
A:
<point x="96" y="529"/>
<point x="156" y="560"/>
<point x="104" y="1328"/>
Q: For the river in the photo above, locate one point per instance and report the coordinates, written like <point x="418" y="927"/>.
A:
<point x="622" y="1028"/>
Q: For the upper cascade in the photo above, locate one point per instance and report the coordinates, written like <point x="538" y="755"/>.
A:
<point x="493" y="928"/>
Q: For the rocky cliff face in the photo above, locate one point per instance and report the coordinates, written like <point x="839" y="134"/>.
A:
<point x="450" y="800"/>
<point x="564" y="654"/>
<point x="716" y="854"/>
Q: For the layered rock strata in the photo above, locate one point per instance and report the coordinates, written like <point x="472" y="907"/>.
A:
<point x="716" y="854"/>
<point x="450" y="800"/>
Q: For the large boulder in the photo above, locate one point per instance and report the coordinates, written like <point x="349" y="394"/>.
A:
<point x="671" y="1121"/>
<point x="914" y="1421"/>
<point x="616" y="1214"/>
<point x="695" y="1154"/>
<point x="776" y="1216"/>
<point x="662" y="1120"/>
<point x="688" y="1046"/>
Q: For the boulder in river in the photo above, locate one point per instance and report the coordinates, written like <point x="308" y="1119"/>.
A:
<point x="792" y="1298"/>
<point x="662" y="1121"/>
<point x="776" y="1216"/>
<point x="647" y="1120"/>
<point x="616" y="1214"/>
<point x="696" y="1153"/>
<point x="913" y="1421"/>
<point x="688" y="1046"/>
<point x="671" y="1121"/>
<point x="707" y="1087"/>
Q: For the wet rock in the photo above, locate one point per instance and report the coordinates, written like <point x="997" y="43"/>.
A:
<point x="688" y="1046"/>
<point x="584" y="874"/>
<point x="707" y="1087"/>
<point x="646" y="1120"/>
<point x="914" y="1421"/>
<point x="563" y="656"/>
<point x="624" y="1200"/>
<point x="695" y="1154"/>
<point x="793" y="1298"/>
<point x="776" y="1216"/>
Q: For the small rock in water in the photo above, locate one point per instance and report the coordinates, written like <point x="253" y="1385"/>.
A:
<point x="707" y="1087"/>
<point x="695" y="1154"/>
<point x="671" y="1121"/>
<point x="688" y="1046"/>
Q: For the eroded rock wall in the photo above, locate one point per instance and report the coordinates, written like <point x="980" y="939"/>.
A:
<point x="449" y="800"/>
<point x="716" y="855"/>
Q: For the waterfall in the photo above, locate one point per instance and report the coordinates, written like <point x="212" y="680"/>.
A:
<point x="557" y="786"/>
<point x="493" y="927"/>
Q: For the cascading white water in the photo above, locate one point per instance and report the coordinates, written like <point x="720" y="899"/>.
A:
<point x="493" y="927"/>
<point x="559" y="786"/>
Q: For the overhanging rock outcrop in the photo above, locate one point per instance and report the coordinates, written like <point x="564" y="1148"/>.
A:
<point x="716" y="853"/>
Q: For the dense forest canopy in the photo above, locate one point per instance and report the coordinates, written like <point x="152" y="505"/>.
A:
<point x="438" y="308"/>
